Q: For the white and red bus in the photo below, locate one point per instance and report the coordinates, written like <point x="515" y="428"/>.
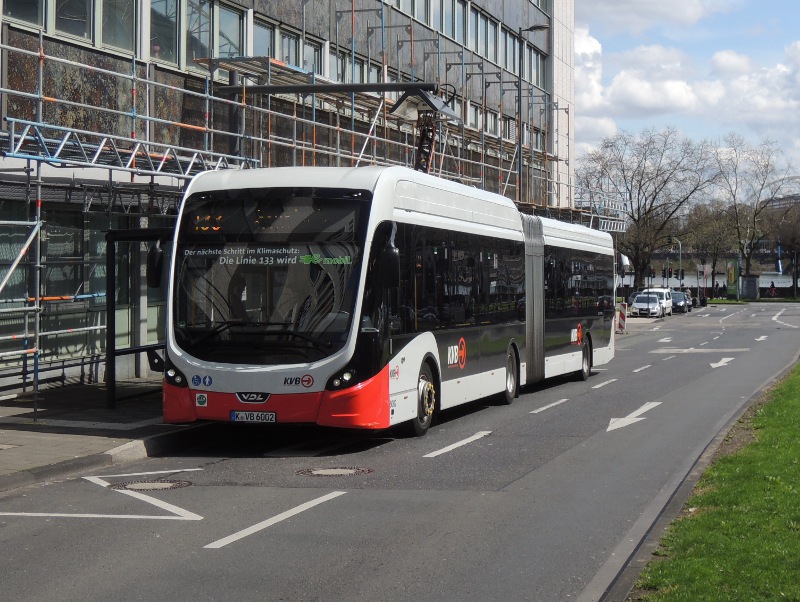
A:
<point x="370" y="297"/>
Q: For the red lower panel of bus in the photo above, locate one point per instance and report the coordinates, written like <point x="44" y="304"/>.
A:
<point x="364" y="406"/>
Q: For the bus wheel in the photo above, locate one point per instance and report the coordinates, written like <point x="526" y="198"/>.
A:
<point x="586" y="363"/>
<point x="512" y="376"/>
<point x="426" y="401"/>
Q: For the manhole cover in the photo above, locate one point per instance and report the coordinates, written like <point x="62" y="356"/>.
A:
<point x="150" y="485"/>
<point x="333" y="472"/>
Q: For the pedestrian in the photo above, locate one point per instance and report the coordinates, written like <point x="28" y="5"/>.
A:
<point x="772" y="291"/>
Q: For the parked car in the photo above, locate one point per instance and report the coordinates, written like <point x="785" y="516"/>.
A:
<point x="680" y="303"/>
<point x="646" y="305"/>
<point x="664" y="298"/>
<point x="632" y="297"/>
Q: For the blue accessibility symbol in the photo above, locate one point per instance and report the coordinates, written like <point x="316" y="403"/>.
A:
<point x="207" y="381"/>
<point x="196" y="380"/>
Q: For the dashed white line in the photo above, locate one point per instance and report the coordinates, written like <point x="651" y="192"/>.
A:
<point x="271" y="521"/>
<point x="548" y="406"/>
<point x="603" y="384"/>
<point x="444" y="450"/>
<point x="643" y="368"/>
<point x="667" y="358"/>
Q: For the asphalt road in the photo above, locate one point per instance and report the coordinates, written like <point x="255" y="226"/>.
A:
<point x="541" y="500"/>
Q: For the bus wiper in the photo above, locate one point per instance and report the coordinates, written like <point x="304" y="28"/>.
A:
<point x="301" y="335"/>
<point x="222" y="326"/>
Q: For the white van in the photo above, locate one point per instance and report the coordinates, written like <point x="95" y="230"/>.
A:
<point x="664" y="299"/>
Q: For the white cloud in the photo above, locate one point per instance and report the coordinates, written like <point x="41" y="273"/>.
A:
<point x="638" y="16"/>
<point x="706" y="94"/>
<point x="730" y="62"/>
<point x="633" y="95"/>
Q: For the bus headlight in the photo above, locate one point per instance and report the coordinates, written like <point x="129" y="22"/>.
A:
<point x="174" y="377"/>
<point x="344" y="379"/>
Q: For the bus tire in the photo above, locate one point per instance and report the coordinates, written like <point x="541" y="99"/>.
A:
<point x="426" y="401"/>
<point x="512" y="377"/>
<point x="586" y="362"/>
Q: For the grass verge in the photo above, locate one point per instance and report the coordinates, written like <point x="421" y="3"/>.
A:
<point x="738" y="537"/>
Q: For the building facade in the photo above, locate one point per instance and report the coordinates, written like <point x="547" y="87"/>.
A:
<point x="110" y="106"/>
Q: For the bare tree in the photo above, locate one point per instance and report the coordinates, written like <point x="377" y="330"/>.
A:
<point x="656" y="174"/>
<point x="709" y="230"/>
<point x="749" y="179"/>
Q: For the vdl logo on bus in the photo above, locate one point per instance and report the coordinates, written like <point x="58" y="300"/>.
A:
<point x="457" y="354"/>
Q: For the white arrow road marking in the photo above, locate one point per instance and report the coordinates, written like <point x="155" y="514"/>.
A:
<point x="444" y="450"/>
<point x="762" y="338"/>
<point x="603" y="384"/>
<point x="177" y="513"/>
<point x="548" y="406"/>
<point x="275" y="519"/>
<point x="665" y="340"/>
<point x="724" y="361"/>
<point x="618" y="423"/>
<point x="778" y="315"/>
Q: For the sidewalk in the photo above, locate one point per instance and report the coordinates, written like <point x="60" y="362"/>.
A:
<point x="71" y="428"/>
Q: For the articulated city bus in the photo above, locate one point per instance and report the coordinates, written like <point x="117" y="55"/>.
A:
<point x="370" y="297"/>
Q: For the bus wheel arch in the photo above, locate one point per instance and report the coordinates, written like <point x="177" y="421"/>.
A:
<point x="512" y="374"/>
<point x="428" y="402"/>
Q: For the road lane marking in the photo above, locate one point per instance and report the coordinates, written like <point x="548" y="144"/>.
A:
<point x="643" y="368"/>
<point x="274" y="520"/>
<point x="723" y="362"/>
<point x="675" y="350"/>
<point x="603" y="384"/>
<point x="778" y="315"/>
<point x="706" y="343"/>
<point x="665" y="340"/>
<point x="548" y="406"/>
<point x="444" y="450"/>
<point x="761" y="338"/>
<point x="633" y="417"/>
<point x="667" y="358"/>
<point x="176" y="512"/>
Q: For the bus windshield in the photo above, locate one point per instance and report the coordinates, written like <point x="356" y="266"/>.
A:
<point x="268" y="276"/>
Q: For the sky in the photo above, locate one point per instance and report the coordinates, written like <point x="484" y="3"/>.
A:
<point x="705" y="67"/>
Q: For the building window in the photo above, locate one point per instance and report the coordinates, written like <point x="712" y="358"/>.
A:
<point x="449" y="19"/>
<point x="30" y="12"/>
<point x="510" y="51"/>
<point x="198" y="30"/>
<point x="421" y="10"/>
<point x="290" y="48"/>
<point x="312" y="57"/>
<point x="491" y="123"/>
<point x="474" y="26"/>
<point x="230" y="39"/>
<point x="74" y="17"/>
<point x="491" y="42"/>
<point x="461" y="22"/>
<point x="263" y="39"/>
<point x="119" y="17"/>
<point x="475" y="116"/>
<point x="164" y="30"/>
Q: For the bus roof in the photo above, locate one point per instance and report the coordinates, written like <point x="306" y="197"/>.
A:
<point x="411" y="191"/>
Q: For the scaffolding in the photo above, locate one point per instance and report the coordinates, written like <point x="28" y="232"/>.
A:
<point x="151" y="130"/>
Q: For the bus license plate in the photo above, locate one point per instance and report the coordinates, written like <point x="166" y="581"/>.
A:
<point x="237" y="416"/>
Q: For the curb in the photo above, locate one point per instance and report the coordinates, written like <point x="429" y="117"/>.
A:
<point x="138" y="449"/>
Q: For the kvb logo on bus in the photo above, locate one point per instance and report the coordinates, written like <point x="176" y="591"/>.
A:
<point x="457" y="355"/>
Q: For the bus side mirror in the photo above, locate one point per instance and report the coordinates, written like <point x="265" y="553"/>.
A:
<point x="390" y="266"/>
<point x="155" y="265"/>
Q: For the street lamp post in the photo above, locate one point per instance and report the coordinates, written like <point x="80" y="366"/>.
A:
<point x="519" y="104"/>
